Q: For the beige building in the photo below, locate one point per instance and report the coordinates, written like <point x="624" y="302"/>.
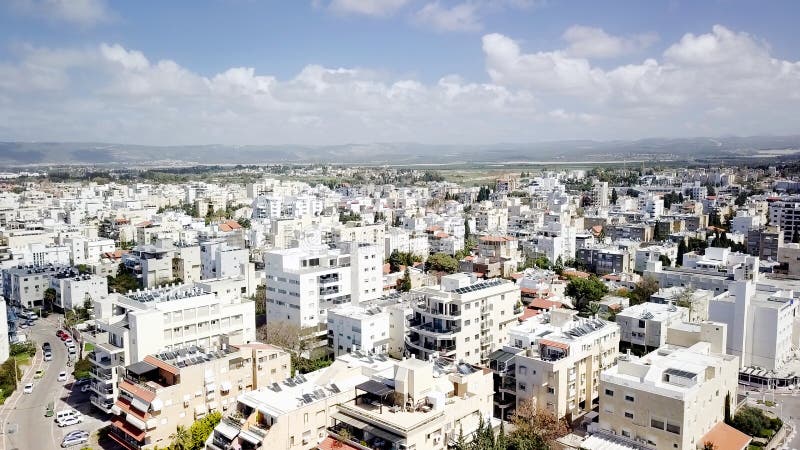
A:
<point x="789" y="259"/>
<point x="171" y="389"/>
<point x="670" y="398"/>
<point x="381" y="402"/>
<point x="562" y="358"/>
<point x="462" y="319"/>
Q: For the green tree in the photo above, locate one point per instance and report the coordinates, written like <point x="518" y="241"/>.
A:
<point x="50" y="296"/>
<point x="442" y="262"/>
<point x="592" y="309"/>
<point x="614" y="196"/>
<point x="244" y="222"/>
<point x="405" y="282"/>
<point x="796" y="236"/>
<point x="665" y="261"/>
<point x="467" y="231"/>
<point x="641" y="293"/>
<point x="558" y="266"/>
<point x="585" y="291"/>
<point x="681" y="252"/>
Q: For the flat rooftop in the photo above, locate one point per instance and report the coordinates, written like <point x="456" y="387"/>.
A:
<point x="166" y="293"/>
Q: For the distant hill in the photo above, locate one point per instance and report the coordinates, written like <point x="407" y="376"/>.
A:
<point x="45" y="153"/>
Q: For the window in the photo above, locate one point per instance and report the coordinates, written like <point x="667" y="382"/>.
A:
<point x="629" y="398"/>
<point x="673" y="428"/>
<point x="656" y="423"/>
<point x="522" y="387"/>
<point x="551" y="390"/>
<point x="609" y="392"/>
<point x="628" y="415"/>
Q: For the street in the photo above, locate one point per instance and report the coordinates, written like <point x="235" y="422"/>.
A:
<point x="24" y="424"/>
<point x="787" y="407"/>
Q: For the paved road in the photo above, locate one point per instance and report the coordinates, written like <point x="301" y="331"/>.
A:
<point x="25" y="426"/>
<point x="787" y="407"/>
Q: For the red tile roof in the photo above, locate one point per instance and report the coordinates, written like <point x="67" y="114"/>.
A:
<point x="497" y="239"/>
<point x="541" y="303"/>
<point x="528" y="313"/>
<point x="138" y="391"/>
<point x="724" y="436"/>
<point x="330" y="443"/>
<point x="555" y="344"/>
<point x="129" y="429"/>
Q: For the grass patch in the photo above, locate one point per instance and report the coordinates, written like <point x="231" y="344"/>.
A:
<point x="88" y="347"/>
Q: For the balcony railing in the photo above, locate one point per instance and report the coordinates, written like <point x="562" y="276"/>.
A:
<point x="430" y="328"/>
<point x="102" y="374"/>
<point x="105" y="361"/>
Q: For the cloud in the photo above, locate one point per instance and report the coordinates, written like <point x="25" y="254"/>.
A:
<point x="590" y="42"/>
<point x="375" y="8"/>
<point x="719" y="82"/>
<point x="85" y="13"/>
<point x="459" y="17"/>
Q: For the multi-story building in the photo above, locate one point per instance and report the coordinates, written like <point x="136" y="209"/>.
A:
<point x="373" y="234"/>
<point x="462" y="319"/>
<point x="785" y="214"/>
<point x="220" y="260"/>
<point x="764" y="242"/>
<point x="367" y="401"/>
<point x="175" y="388"/>
<point x="25" y="285"/>
<point x="5" y="346"/>
<point x="603" y="259"/>
<point x="637" y="231"/>
<point x="600" y="194"/>
<point x="670" y="398"/>
<point x="151" y="264"/>
<point x="761" y="324"/>
<point x="73" y="289"/>
<point x="152" y="321"/>
<point x="364" y="328"/>
<point x="789" y="259"/>
<point x="562" y="358"/>
<point x="645" y="325"/>
<point x="654" y="252"/>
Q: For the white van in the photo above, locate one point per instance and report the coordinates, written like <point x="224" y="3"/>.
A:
<point x="65" y="414"/>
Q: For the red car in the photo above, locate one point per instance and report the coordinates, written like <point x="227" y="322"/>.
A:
<point x="64" y="337"/>
<point x="59" y="333"/>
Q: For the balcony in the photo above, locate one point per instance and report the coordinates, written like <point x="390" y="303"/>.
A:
<point x="102" y="389"/>
<point x="102" y="403"/>
<point x="509" y="384"/>
<point x="445" y="312"/>
<point x="429" y="346"/>
<point x="429" y="327"/>
<point x="100" y="360"/>
<point x="102" y="374"/>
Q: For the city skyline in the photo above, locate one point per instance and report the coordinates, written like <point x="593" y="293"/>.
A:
<point x="348" y="71"/>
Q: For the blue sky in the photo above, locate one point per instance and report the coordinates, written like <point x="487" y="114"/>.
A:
<point x="437" y="71"/>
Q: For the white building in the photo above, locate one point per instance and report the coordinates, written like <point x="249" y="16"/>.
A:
<point x="646" y="324"/>
<point x="462" y="319"/>
<point x="761" y="324"/>
<point x="73" y="289"/>
<point x="152" y="321"/>
<point x="352" y="327"/>
<point x="220" y="260"/>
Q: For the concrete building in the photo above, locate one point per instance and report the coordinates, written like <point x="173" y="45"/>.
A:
<point x="764" y="242"/>
<point x="562" y="358"/>
<point x="600" y="194"/>
<point x="73" y="289"/>
<point x="603" y="259"/>
<point x="373" y="234"/>
<point x="785" y="214"/>
<point x="384" y="403"/>
<point x="157" y="320"/>
<point x="645" y="325"/>
<point x="654" y="253"/>
<point x="761" y="324"/>
<point x="220" y="260"/>
<point x="352" y="328"/>
<point x="25" y="285"/>
<point x="151" y="264"/>
<point x="670" y="398"/>
<point x="5" y="346"/>
<point x="171" y="389"/>
<point x="789" y="260"/>
<point x="462" y="319"/>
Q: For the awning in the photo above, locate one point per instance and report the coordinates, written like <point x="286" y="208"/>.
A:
<point x="375" y="388"/>
<point x="555" y="344"/>
<point x="349" y="420"/>
<point x="157" y="404"/>
<point x="152" y="423"/>
<point x="140" y="404"/>
<point x="135" y="421"/>
<point x="140" y="368"/>
<point x="211" y="387"/>
<point x="250" y="437"/>
<point x="200" y="410"/>
<point x="225" y="386"/>
<point x="115" y="410"/>
<point x="227" y="430"/>
<point x="212" y="406"/>
<point x="501" y="356"/>
<point x="247" y="400"/>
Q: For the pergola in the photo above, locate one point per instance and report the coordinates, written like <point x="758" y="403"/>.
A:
<point x="374" y="388"/>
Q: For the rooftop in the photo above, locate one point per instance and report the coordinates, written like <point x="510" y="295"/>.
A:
<point x="166" y="293"/>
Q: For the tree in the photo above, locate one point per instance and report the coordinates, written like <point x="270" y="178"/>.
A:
<point x="244" y="222"/>
<point x="708" y="445"/>
<point x="535" y="428"/>
<point x="585" y="291"/>
<point x="50" y="296"/>
<point x="181" y="438"/>
<point x="591" y="310"/>
<point x="344" y="437"/>
<point x="405" y="282"/>
<point x="711" y="190"/>
<point x="796" y="236"/>
<point x="614" y="196"/>
<point x="558" y="266"/>
<point x="442" y="262"/>
<point x="467" y="231"/>
<point x="641" y="293"/>
<point x="681" y="252"/>
<point x="665" y="261"/>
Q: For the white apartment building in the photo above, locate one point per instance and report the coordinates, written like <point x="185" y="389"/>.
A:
<point x="267" y="207"/>
<point x="563" y="355"/>
<point x="73" y="289"/>
<point x="25" y="285"/>
<point x="653" y="253"/>
<point x="670" y="398"/>
<point x="5" y="346"/>
<point x="373" y="234"/>
<point x="405" y="241"/>
<point x="786" y="215"/>
<point x="364" y="328"/>
<point x="490" y="219"/>
<point x="761" y="324"/>
<point x="304" y="283"/>
<point x="380" y="402"/>
<point x="462" y="319"/>
<point x="152" y="321"/>
<point x="88" y="251"/>
<point x="645" y="325"/>
<point x="220" y="260"/>
<point x="600" y="194"/>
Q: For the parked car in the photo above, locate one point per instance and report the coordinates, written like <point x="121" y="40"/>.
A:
<point x="22" y="325"/>
<point x="81" y="381"/>
<point x="69" y="421"/>
<point x="68" y="341"/>
<point x="28" y="389"/>
<point x="46" y="347"/>
<point x="48" y="356"/>
<point x="65" y="414"/>
<point x="39" y="374"/>
<point x="60" y="333"/>
<point x="62" y="376"/>
<point x="74" y="439"/>
<point x="64" y="337"/>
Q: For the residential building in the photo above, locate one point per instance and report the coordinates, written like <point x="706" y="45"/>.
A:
<point x="604" y="259"/>
<point x="151" y="321"/>
<point x="73" y="289"/>
<point x="645" y="325"/>
<point x="670" y="398"/>
<point x="25" y="285"/>
<point x="175" y="388"/>
<point x="462" y="319"/>
<point x="600" y="194"/>
<point x="364" y="328"/>
<point x="764" y="242"/>
<point x="562" y="358"/>
<point x="785" y="214"/>
<point x="789" y="259"/>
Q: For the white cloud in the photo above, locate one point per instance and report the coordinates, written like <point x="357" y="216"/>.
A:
<point x="459" y="17"/>
<point x="376" y="8"/>
<point x="720" y="82"/>
<point x="79" y="12"/>
<point x="590" y="42"/>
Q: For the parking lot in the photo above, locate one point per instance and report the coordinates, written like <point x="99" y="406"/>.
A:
<point x="23" y="420"/>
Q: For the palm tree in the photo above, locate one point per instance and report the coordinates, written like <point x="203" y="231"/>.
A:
<point x="592" y="309"/>
<point x="181" y="438"/>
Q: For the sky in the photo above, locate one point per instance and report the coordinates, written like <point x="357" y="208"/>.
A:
<point x="329" y="72"/>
